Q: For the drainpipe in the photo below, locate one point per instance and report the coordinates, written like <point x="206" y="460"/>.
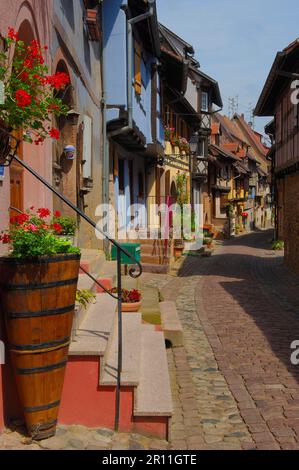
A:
<point x="105" y="169"/>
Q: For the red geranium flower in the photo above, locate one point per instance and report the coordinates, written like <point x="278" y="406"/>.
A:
<point x="43" y="212"/>
<point x="57" y="214"/>
<point x="40" y="140"/>
<point x="5" y="238"/>
<point x="19" y="219"/>
<point x="23" y="98"/>
<point x="28" y="64"/>
<point x="59" y="80"/>
<point x="57" y="228"/>
<point x="53" y="107"/>
<point x="54" y="133"/>
<point x="31" y="228"/>
<point x="12" y="34"/>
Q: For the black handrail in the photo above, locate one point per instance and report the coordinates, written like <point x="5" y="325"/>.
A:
<point x="119" y="250"/>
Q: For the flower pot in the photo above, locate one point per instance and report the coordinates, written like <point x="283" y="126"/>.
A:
<point x="131" y="307"/>
<point x="38" y="302"/>
<point x="178" y="251"/>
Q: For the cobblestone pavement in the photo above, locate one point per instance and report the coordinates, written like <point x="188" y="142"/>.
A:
<point x="80" y="438"/>
<point x="238" y="341"/>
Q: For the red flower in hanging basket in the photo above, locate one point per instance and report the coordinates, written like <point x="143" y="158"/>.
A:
<point x="30" y="93"/>
<point x="54" y="133"/>
<point x="245" y="214"/>
<point x="23" y="98"/>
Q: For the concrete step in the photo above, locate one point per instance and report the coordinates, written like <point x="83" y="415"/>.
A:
<point x="155" y="268"/>
<point x="92" y="258"/>
<point x="155" y="259"/>
<point x="171" y="324"/>
<point x="150" y="305"/>
<point x="131" y="324"/>
<point x="85" y="282"/>
<point x="92" y="336"/>
<point x="153" y="394"/>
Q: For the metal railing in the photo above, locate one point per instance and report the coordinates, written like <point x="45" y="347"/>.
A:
<point x="133" y="272"/>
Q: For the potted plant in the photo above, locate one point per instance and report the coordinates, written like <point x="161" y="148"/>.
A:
<point x="131" y="299"/>
<point x="68" y="225"/>
<point x="38" y="293"/>
<point x="29" y="96"/>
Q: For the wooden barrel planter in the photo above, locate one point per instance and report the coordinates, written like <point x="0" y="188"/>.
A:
<point x="38" y="302"/>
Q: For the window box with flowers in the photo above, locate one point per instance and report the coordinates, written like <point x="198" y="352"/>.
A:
<point x="29" y="97"/>
<point x="38" y="294"/>
<point x="131" y="299"/>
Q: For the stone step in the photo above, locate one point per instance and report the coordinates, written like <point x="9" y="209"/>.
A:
<point x="171" y="324"/>
<point x="153" y="394"/>
<point x="155" y="259"/>
<point x="131" y="325"/>
<point x="150" y="305"/>
<point x="92" y="335"/>
<point x="154" y="250"/>
<point x="155" y="268"/>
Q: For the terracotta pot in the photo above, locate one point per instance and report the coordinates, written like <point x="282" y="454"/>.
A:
<point x="38" y="302"/>
<point x="131" y="307"/>
<point x="178" y="251"/>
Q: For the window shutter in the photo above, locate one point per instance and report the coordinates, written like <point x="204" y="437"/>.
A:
<point x="137" y="66"/>
<point x="87" y="132"/>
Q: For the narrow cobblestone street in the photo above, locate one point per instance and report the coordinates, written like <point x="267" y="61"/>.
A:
<point x="233" y="384"/>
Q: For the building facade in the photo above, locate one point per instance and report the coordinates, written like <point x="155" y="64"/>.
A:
<point x="76" y="50"/>
<point x="279" y="100"/>
<point x="18" y="189"/>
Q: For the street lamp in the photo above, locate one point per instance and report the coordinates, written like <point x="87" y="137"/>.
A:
<point x="194" y="142"/>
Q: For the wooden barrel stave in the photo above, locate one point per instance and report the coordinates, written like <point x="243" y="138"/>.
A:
<point x="39" y="318"/>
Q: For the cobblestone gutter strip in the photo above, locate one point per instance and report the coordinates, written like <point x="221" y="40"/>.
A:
<point x="221" y="424"/>
<point x="81" y="438"/>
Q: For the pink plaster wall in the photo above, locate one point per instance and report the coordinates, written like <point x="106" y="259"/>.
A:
<point x="38" y="13"/>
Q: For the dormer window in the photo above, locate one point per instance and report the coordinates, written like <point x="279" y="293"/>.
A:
<point x="205" y="101"/>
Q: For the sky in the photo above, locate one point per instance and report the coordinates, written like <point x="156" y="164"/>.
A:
<point x="235" y="41"/>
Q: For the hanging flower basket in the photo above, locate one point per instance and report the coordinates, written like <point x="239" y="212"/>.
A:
<point x="38" y="291"/>
<point x="29" y="97"/>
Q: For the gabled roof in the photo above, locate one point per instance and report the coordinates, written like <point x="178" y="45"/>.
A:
<point x="181" y="51"/>
<point x="215" y="150"/>
<point x="196" y="74"/>
<point x="179" y="45"/>
<point x="252" y="138"/>
<point x="285" y="61"/>
<point x="230" y="128"/>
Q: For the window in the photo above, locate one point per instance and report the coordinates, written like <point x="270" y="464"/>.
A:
<point x="205" y="101"/>
<point x="202" y="148"/>
<point x="137" y="68"/>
